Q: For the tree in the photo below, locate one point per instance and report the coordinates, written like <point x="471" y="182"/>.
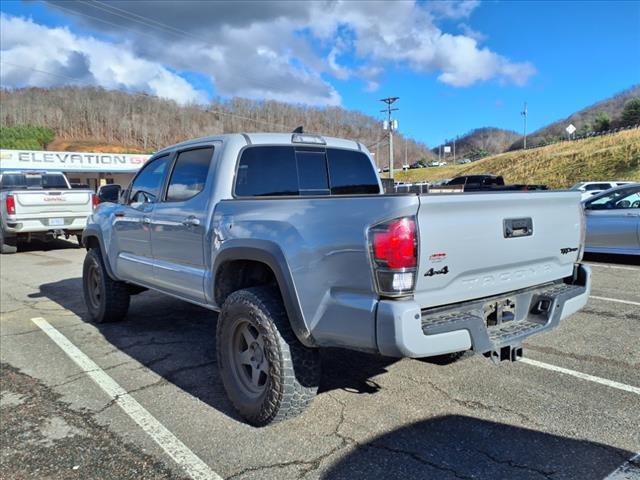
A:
<point x="584" y="129"/>
<point x="602" y="122"/>
<point x="631" y="113"/>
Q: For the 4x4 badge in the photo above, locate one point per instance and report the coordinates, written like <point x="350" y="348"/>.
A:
<point x="431" y="272"/>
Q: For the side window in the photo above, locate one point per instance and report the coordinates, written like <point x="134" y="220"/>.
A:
<point x="619" y="199"/>
<point x="147" y="185"/>
<point x="267" y="171"/>
<point x="189" y="174"/>
<point x="457" y="181"/>
<point x="351" y="173"/>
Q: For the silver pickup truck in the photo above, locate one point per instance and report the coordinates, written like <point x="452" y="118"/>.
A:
<point x="40" y="205"/>
<point x="291" y="239"/>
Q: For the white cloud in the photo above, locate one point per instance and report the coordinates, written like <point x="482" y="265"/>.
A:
<point x="285" y="50"/>
<point x="54" y="56"/>
<point x="409" y="35"/>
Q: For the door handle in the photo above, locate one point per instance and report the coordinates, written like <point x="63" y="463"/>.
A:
<point x="191" y="222"/>
<point x="119" y="213"/>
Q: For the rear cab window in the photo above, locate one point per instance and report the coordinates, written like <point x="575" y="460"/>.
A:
<point x="33" y="181"/>
<point x="296" y="170"/>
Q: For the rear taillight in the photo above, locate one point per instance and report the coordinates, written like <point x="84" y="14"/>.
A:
<point x="95" y="201"/>
<point x="394" y="251"/>
<point x="10" y="202"/>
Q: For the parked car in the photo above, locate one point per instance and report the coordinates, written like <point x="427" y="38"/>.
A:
<point x="40" y="205"/>
<point x="589" y="189"/>
<point x="478" y="183"/>
<point x="295" y="259"/>
<point x="613" y="221"/>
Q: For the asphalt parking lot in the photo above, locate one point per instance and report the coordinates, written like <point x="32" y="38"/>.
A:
<point x="142" y="399"/>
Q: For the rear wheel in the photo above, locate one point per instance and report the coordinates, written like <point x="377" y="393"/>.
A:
<point x="79" y="240"/>
<point x="107" y="300"/>
<point x="268" y="374"/>
<point x="8" y="244"/>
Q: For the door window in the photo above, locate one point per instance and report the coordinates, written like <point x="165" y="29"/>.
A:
<point x="620" y="199"/>
<point x="189" y="174"/>
<point x="147" y="185"/>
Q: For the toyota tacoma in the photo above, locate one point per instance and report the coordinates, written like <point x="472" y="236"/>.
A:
<point x="292" y="240"/>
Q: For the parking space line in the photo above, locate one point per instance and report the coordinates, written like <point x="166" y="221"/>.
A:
<point x="583" y="376"/>
<point x="617" y="300"/>
<point x="629" y="470"/>
<point x="178" y="451"/>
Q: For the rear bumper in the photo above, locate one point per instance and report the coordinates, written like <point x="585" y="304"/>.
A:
<point x="404" y="330"/>
<point x="16" y="225"/>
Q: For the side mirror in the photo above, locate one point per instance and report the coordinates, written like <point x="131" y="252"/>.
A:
<point x="109" y="193"/>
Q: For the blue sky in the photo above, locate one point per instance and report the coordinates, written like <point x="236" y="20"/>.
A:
<point x="455" y="65"/>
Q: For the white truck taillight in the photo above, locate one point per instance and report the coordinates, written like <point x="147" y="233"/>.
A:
<point x="583" y="233"/>
<point x="394" y="253"/>
<point x="95" y="201"/>
<point x="10" y="203"/>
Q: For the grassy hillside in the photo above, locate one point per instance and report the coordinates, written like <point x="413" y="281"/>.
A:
<point x="613" y="157"/>
<point x="612" y="107"/>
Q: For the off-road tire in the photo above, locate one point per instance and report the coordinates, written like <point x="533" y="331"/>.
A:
<point x="293" y="370"/>
<point x="8" y="244"/>
<point x="112" y="303"/>
<point x="79" y="240"/>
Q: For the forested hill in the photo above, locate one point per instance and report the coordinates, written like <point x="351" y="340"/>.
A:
<point x="118" y="119"/>
<point x="482" y="142"/>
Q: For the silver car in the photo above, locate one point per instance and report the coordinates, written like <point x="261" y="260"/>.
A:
<point x="613" y="221"/>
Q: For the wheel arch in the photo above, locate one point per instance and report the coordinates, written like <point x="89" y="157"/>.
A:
<point x="92" y="238"/>
<point x="261" y="254"/>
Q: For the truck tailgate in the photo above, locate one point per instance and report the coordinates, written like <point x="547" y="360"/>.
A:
<point x="476" y="245"/>
<point x="52" y="202"/>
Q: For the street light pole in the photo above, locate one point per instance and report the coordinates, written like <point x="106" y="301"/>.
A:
<point x="389" y="101"/>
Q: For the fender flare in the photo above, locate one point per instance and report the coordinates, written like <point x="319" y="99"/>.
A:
<point x="270" y="254"/>
<point x="91" y="232"/>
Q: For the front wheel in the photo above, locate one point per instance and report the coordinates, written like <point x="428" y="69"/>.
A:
<point x="107" y="300"/>
<point x="268" y="374"/>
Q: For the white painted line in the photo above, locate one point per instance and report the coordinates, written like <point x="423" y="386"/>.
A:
<point x="617" y="267"/>
<point x="189" y="461"/>
<point x="629" y="470"/>
<point x="617" y="300"/>
<point x="583" y="376"/>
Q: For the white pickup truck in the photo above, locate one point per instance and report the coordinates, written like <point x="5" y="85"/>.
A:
<point x="41" y="205"/>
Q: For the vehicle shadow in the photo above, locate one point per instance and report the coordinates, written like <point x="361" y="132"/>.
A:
<point x="613" y="259"/>
<point x="176" y="340"/>
<point x="42" y="246"/>
<point x="455" y="447"/>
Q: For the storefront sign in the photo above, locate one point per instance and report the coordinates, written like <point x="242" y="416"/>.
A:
<point x="71" y="161"/>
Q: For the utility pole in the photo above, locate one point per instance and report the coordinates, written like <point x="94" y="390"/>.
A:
<point x="454" y="151"/>
<point x="389" y="101"/>
<point x="405" y="151"/>
<point x="524" y="132"/>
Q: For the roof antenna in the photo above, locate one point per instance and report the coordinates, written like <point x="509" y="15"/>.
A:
<point x="298" y="130"/>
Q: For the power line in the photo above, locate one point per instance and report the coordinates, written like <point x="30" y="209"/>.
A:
<point x="142" y="94"/>
<point x="149" y="22"/>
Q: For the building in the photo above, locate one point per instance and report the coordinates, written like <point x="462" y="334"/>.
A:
<point x="93" y="169"/>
